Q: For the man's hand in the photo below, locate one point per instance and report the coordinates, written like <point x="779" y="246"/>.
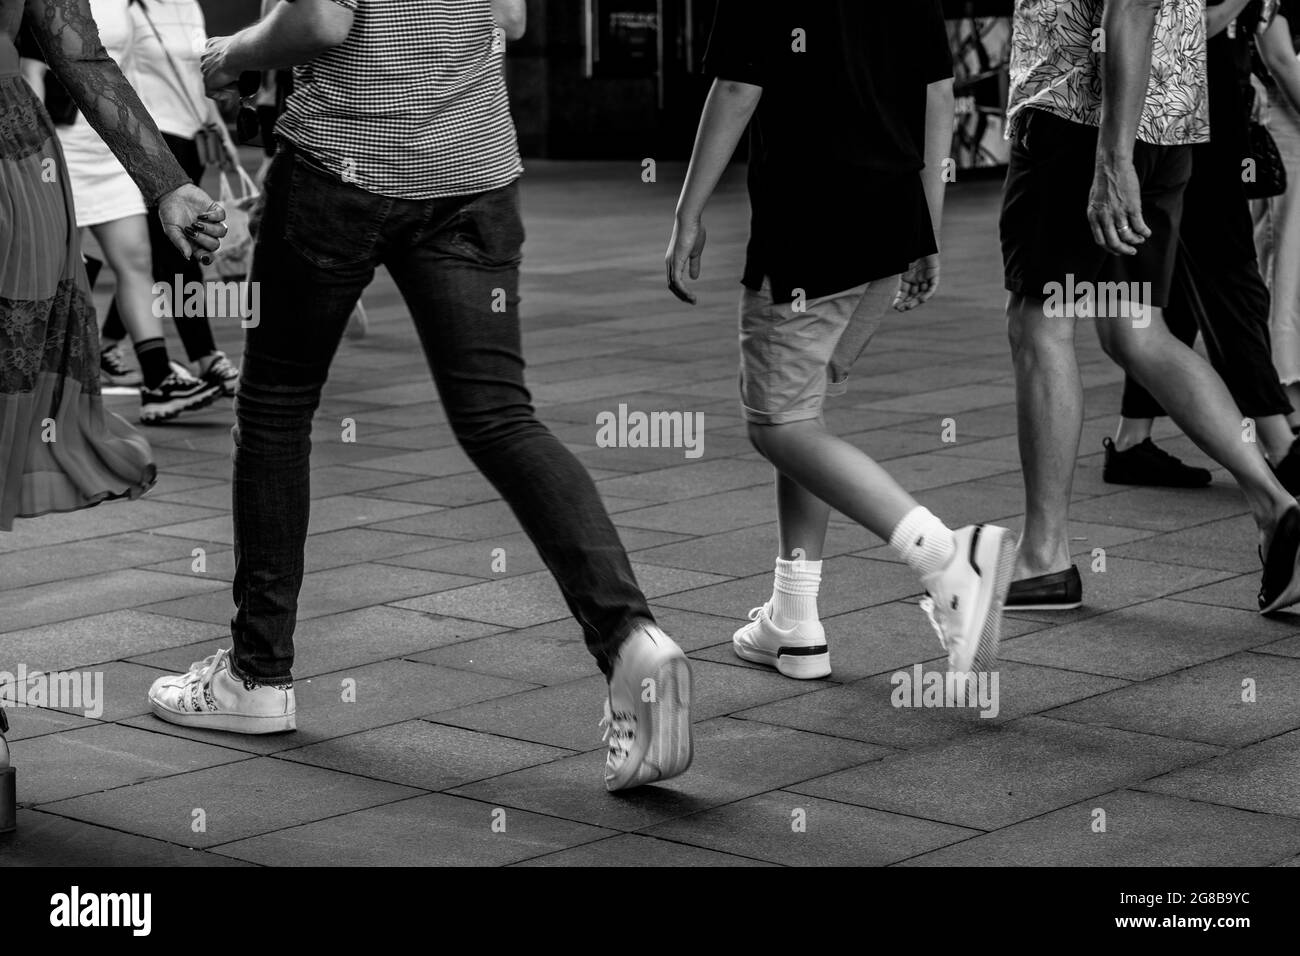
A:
<point x="918" y="284"/>
<point x="193" y="221"/>
<point x="1115" y="207"/>
<point x="683" y="258"/>
<point x="221" y="81"/>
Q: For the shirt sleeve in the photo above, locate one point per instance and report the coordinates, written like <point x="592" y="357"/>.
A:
<point x="735" y="44"/>
<point x="936" y="53"/>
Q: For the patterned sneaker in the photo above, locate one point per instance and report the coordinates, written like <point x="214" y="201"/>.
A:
<point x="114" y="371"/>
<point x="647" y="718"/>
<point x="222" y="372"/>
<point x="800" y="652"/>
<point x="211" y="697"/>
<point x="964" y="600"/>
<point x="177" y="393"/>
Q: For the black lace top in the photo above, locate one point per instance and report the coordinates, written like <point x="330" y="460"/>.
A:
<point x="69" y="39"/>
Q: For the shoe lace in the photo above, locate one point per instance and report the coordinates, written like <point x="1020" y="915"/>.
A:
<point x="758" y="612"/>
<point x="201" y="671"/>
<point x="618" y="727"/>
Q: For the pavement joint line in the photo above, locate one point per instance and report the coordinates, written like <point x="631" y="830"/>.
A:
<point x="1138" y="788"/>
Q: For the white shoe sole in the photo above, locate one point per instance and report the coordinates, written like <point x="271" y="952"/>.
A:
<point x="996" y="554"/>
<point x="231" y="723"/>
<point x="1012" y="609"/>
<point x="790" y="660"/>
<point x="666" y="724"/>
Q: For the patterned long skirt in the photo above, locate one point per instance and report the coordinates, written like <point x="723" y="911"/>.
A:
<point x="59" y="449"/>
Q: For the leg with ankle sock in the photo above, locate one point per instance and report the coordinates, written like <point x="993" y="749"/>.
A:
<point x="154" y="363"/>
<point x="794" y="596"/>
<point x="923" y="541"/>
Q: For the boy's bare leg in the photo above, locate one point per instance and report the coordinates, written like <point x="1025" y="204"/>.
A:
<point x="802" y="518"/>
<point x="1049" y="411"/>
<point x="835" y="471"/>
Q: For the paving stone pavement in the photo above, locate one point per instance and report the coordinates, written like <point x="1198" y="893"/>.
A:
<point x="448" y="708"/>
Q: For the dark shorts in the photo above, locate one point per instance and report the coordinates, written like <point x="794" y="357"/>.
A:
<point x="1047" y="241"/>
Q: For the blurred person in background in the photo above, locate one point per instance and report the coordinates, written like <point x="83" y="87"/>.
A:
<point x="169" y="39"/>
<point x="110" y="205"/>
<point x="1277" y="220"/>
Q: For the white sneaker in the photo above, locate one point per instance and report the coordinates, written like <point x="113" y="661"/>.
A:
<point x="964" y="600"/>
<point x="211" y="697"/>
<point x="648" y="713"/>
<point x="800" y="652"/>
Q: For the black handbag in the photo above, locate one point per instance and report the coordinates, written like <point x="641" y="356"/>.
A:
<point x="1270" y="172"/>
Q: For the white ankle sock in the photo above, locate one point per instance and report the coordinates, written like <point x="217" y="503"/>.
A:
<point x="794" y="598"/>
<point x="923" y="541"/>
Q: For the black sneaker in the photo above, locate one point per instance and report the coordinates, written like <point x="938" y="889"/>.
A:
<point x="113" y="369"/>
<point x="176" y="394"/>
<point x="1059" y="591"/>
<point x="1149" y="465"/>
<point x="1288" y="470"/>
<point x="1280" y="585"/>
<point x="222" y="373"/>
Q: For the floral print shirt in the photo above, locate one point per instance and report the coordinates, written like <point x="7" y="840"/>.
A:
<point x="1055" y="66"/>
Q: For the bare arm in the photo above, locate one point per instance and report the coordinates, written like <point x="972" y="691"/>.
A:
<point x="921" y="281"/>
<point x="511" y="16"/>
<point x="726" y="114"/>
<point x="1218" y="18"/>
<point x="1279" y="56"/>
<point x="1115" y="207"/>
<point x="34" y="73"/>
<point x="289" y="35"/>
<point x="940" y="117"/>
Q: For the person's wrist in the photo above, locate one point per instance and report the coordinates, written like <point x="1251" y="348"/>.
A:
<point x="1114" y="156"/>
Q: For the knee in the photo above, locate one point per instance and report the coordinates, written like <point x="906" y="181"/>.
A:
<point x="1130" y="348"/>
<point x="480" y="435"/>
<point x="274" y="410"/>
<point x="1031" y="329"/>
<point x="135" y="260"/>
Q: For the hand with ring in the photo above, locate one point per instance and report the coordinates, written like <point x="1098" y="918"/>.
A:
<point x="193" y="221"/>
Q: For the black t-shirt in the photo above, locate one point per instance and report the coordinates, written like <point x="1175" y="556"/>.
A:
<point x="838" y="140"/>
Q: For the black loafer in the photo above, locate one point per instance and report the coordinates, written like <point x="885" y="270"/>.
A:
<point x="1149" y="465"/>
<point x="1060" y="591"/>
<point x="1288" y="470"/>
<point x="1280" y="586"/>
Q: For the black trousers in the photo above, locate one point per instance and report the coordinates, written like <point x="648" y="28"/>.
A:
<point x="1219" y="292"/>
<point x="168" y="263"/>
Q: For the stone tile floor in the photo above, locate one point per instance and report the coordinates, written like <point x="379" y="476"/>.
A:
<point x="1165" y="708"/>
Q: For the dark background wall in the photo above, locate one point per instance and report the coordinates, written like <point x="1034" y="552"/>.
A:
<point x="636" y="91"/>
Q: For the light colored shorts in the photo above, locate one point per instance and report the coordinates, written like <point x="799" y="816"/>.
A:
<point x="791" y="361"/>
